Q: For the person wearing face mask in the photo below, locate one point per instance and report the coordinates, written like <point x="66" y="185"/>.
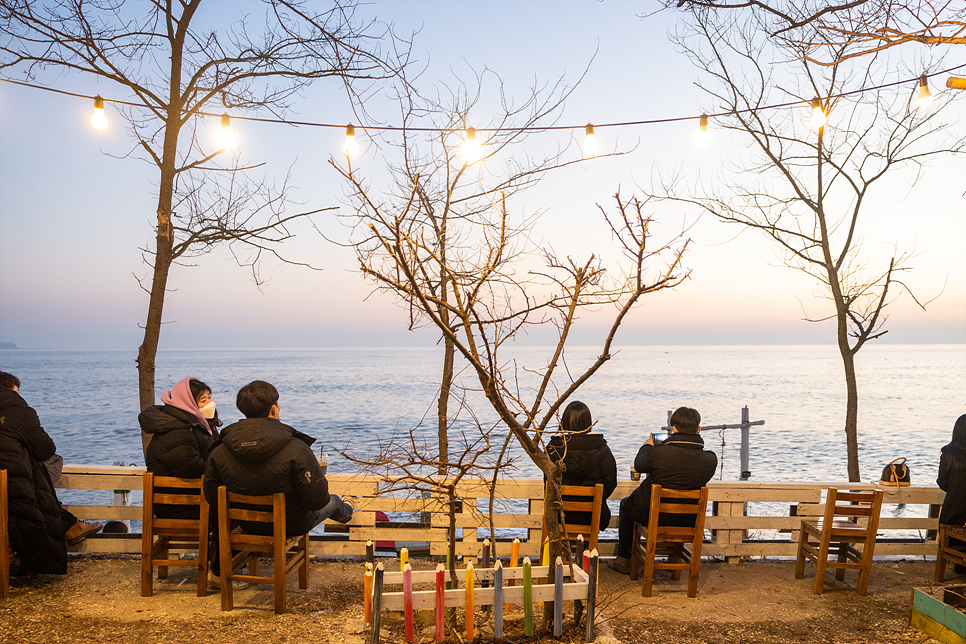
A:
<point x="182" y="431"/>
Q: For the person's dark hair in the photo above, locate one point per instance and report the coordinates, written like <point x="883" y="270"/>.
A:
<point x="197" y="388"/>
<point x="959" y="430"/>
<point x="686" y="420"/>
<point x="576" y="418"/>
<point x="9" y="380"/>
<point x="256" y="399"/>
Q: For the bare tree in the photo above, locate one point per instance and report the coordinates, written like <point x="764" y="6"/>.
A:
<point x="493" y="297"/>
<point x="808" y="188"/>
<point x="178" y="69"/>
<point x="866" y="26"/>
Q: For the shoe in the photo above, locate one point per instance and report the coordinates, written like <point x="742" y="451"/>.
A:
<point x="620" y="564"/>
<point x="214" y="583"/>
<point x="80" y="531"/>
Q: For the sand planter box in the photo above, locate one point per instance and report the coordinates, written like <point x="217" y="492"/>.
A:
<point x="938" y="612"/>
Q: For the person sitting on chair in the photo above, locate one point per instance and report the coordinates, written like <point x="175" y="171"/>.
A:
<point x="678" y="463"/>
<point x="587" y="458"/>
<point x="260" y="455"/>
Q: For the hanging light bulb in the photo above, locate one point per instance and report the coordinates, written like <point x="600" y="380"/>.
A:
<point x="351" y="147"/>
<point x="819" y="118"/>
<point x="704" y="134"/>
<point x="471" y="148"/>
<point x="99" y="118"/>
<point x="225" y="135"/>
<point x="925" y="96"/>
<point x="590" y="142"/>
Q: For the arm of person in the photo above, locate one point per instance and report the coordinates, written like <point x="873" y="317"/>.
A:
<point x="608" y="469"/>
<point x="36" y="441"/>
<point x="185" y="459"/>
<point x="212" y="483"/>
<point x="310" y="485"/>
<point x="644" y="461"/>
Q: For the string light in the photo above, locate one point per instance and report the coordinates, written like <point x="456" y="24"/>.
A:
<point x="819" y="118"/>
<point x="471" y="149"/>
<point x="590" y="141"/>
<point x="925" y="96"/>
<point x="704" y="134"/>
<point x="351" y="147"/>
<point x="98" y="117"/>
<point x="225" y="135"/>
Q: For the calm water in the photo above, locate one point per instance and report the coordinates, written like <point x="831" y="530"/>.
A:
<point x="355" y="399"/>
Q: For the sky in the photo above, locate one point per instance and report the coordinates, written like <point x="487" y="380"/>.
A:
<point x="75" y="214"/>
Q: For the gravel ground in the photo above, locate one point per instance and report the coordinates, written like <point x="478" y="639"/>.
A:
<point x="756" y="602"/>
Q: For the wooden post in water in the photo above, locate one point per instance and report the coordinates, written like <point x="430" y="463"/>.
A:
<point x="377" y="602"/>
<point x="745" y="440"/>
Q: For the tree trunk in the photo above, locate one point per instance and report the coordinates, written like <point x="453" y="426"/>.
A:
<point x="444" y="391"/>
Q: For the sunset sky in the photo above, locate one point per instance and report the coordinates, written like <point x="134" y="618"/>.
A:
<point x="75" y="214"/>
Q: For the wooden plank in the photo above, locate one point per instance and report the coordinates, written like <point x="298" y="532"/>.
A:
<point x="765" y="495"/>
<point x="106" y="512"/>
<point x="396" y="534"/>
<point x="456" y="598"/>
<point x="100" y="543"/>
<point x="100" y="481"/>
<point x="467" y="520"/>
<point x="721" y="522"/>
<point x="392" y="504"/>
<point x="934" y="629"/>
<point x="359" y="519"/>
<point x="133" y="470"/>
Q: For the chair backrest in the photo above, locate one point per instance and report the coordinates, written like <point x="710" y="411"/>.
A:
<point x="176" y="493"/>
<point x="854" y="505"/>
<point x="269" y="509"/>
<point x="589" y="500"/>
<point x="685" y="509"/>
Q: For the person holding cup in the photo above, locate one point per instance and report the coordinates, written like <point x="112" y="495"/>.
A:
<point x="679" y="463"/>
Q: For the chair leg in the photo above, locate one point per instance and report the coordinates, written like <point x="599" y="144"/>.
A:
<point x="800" y="560"/>
<point x="676" y="557"/>
<point x="940" y="556"/>
<point x="224" y="552"/>
<point x="648" y="582"/>
<point x="203" y="567"/>
<point x="147" y="570"/>
<point x="279" y="574"/>
<point x="163" y="554"/>
<point x="843" y="558"/>
<point x="821" y="563"/>
<point x="635" y="557"/>
<point x="304" y="567"/>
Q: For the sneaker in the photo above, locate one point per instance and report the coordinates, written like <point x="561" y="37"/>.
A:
<point x="214" y="583"/>
<point x="80" y="531"/>
<point x="620" y="564"/>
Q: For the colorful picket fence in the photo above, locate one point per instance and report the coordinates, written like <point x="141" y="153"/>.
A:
<point x="498" y="586"/>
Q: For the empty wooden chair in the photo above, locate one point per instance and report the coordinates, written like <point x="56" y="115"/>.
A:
<point x="160" y="536"/>
<point x="590" y="499"/>
<point x="951" y="548"/>
<point x="289" y="554"/>
<point x="850" y="543"/>
<point x="680" y="543"/>
<point x="4" y="539"/>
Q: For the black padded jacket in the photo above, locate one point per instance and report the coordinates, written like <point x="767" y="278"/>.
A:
<point x="588" y="461"/>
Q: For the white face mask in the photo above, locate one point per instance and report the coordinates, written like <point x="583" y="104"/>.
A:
<point x="208" y="411"/>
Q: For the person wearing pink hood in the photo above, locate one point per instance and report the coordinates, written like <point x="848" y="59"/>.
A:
<point x="182" y="431"/>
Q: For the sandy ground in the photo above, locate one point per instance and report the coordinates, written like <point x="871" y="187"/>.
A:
<point x="756" y="602"/>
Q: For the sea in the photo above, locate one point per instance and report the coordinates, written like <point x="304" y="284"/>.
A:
<point x="360" y="402"/>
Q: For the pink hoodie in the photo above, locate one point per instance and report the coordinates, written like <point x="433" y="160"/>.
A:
<point x="180" y="397"/>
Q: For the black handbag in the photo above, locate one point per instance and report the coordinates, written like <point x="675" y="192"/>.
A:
<point x="895" y="473"/>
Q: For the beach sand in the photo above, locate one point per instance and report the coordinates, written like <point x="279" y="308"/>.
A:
<point x="755" y="602"/>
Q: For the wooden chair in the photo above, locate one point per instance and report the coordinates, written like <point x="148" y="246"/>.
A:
<point x="4" y="539"/>
<point x="591" y="499"/>
<point x="289" y="554"/>
<point x="173" y="534"/>
<point x="950" y="552"/>
<point x="681" y="544"/>
<point x="851" y="542"/>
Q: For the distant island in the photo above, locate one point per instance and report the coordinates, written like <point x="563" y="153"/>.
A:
<point x="8" y="345"/>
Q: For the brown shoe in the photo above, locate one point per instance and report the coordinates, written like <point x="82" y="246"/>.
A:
<point x="620" y="564"/>
<point x="80" y="531"/>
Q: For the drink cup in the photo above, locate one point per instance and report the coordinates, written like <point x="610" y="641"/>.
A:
<point x="323" y="462"/>
<point x="635" y="475"/>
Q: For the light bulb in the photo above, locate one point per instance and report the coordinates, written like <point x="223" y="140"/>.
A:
<point x="819" y="118"/>
<point x="351" y="147"/>
<point x="925" y="96"/>
<point x="99" y="118"/>
<point x="590" y="142"/>
<point x="471" y="148"/>
<point x="225" y="135"/>
<point x="704" y="134"/>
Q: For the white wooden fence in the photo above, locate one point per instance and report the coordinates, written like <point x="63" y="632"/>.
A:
<point x="749" y="519"/>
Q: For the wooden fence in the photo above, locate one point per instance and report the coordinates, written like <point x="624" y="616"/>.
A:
<point x="748" y="519"/>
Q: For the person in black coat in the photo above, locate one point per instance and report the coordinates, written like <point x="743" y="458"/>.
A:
<point x="36" y="530"/>
<point x="952" y="479"/>
<point x="182" y="432"/>
<point x="678" y="463"/>
<point x="260" y="455"/>
<point x="586" y="457"/>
